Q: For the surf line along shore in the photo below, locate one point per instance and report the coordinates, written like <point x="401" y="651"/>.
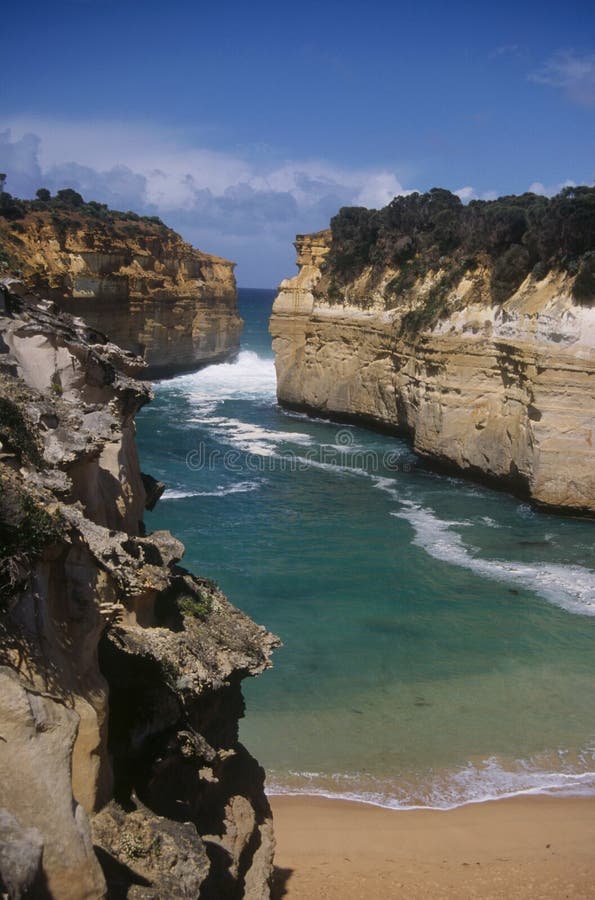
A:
<point x="524" y="847"/>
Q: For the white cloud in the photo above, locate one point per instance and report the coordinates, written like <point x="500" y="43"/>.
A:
<point x="175" y="173"/>
<point x="573" y="73"/>
<point x="20" y="157"/>
<point x="468" y="193"/>
<point x="537" y="187"/>
<point x="248" y="206"/>
<point x="229" y="199"/>
<point x="379" y="190"/>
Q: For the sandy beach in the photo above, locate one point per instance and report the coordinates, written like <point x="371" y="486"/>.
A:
<point x="534" y="848"/>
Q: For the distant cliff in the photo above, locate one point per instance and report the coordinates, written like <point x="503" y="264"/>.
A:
<point x="121" y="773"/>
<point x="130" y="277"/>
<point x="471" y="329"/>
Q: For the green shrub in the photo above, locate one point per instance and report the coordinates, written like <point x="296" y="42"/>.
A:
<point x="354" y="234"/>
<point x="196" y="606"/>
<point x="583" y="289"/>
<point x="11" y="208"/>
<point x="514" y="235"/>
<point x="510" y="270"/>
<point x="6" y="259"/>
<point x="436" y="303"/>
<point x="154" y="220"/>
<point x="405" y="279"/>
<point x="26" y="528"/>
<point x="16" y="432"/>
<point x="540" y="270"/>
<point x="69" y="197"/>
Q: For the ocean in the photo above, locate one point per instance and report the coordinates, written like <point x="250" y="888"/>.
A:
<point x="438" y="636"/>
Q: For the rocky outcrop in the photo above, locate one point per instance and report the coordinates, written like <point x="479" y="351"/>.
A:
<point x="131" y="278"/>
<point x="500" y="390"/>
<point x="121" y="773"/>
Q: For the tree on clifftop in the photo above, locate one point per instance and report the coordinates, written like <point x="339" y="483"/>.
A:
<point x="70" y="197"/>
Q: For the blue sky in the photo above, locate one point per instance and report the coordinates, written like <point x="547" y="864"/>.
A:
<point x="242" y="124"/>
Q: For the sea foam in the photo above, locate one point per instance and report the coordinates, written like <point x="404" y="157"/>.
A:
<point x="248" y="376"/>
<point x="490" y="779"/>
<point x="241" y="487"/>
<point x="570" y="587"/>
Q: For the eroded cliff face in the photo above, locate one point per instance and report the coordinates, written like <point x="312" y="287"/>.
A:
<point x="133" y="279"/>
<point x="121" y="773"/>
<point x="499" y="390"/>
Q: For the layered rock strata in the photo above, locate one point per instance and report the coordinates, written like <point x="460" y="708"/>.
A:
<point x="121" y="773"/>
<point x="504" y="391"/>
<point x="135" y="280"/>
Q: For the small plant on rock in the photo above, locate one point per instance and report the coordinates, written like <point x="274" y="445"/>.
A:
<point x="197" y="606"/>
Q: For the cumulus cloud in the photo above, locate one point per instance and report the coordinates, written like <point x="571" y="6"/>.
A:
<point x="248" y="206"/>
<point x="570" y="71"/>
<point x="537" y="187"/>
<point x="468" y="193"/>
<point x="19" y="159"/>
<point x="379" y="190"/>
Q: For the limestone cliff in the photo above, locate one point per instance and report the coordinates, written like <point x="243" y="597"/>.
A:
<point x="121" y="773"/>
<point x="500" y="385"/>
<point x="129" y="277"/>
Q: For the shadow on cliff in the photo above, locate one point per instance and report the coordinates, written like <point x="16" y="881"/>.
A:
<point x="279" y="882"/>
<point x="119" y="877"/>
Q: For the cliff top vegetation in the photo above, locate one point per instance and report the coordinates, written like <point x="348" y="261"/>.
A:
<point x="27" y="226"/>
<point x="67" y="204"/>
<point x="65" y="212"/>
<point x="434" y="231"/>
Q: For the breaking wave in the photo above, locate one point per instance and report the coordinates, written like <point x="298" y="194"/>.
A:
<point x="490" y="779"/>
<point x="241" y="487"/>
<point x="571" y="587"/>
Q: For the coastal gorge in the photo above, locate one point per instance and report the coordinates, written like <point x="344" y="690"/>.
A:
<point x="122" y="773"/>
<point x="471" y="329"/>
<point x="129" y="276"/>
<point x="466" y="334"/>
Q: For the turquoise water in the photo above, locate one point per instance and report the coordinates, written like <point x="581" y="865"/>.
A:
<point x="438" y="636"/>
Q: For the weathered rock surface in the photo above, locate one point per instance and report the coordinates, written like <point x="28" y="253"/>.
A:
<point x="20" y="857"/>
<point x="120" y="766"/>
<point x="135" y="280"/>
<point x="504" y="391"/>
